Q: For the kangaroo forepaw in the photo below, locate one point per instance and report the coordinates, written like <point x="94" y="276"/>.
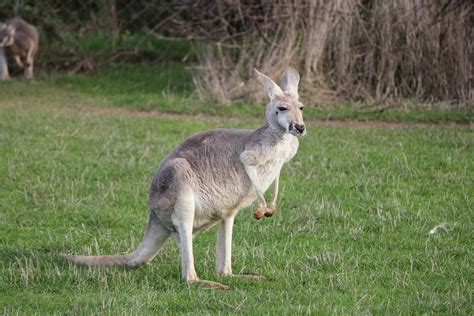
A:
<point x="259" y="213"/>
<point x="270" y="211"/>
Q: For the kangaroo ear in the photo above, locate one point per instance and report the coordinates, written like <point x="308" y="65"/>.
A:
<point x="291" y="79"/>
<point x="272" y="88"/>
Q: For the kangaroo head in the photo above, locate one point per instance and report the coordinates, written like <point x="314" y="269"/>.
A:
<point x="7" y="33"/>
<point x="284" y="111"/>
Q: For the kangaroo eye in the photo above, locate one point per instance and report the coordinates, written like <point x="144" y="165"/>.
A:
<point x="302" y="108"/>
<point x="282" y="108"/>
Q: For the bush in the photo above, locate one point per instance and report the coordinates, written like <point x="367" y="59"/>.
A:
<point x="346" y="50"/>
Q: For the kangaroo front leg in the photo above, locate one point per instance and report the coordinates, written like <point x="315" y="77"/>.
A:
<point x="272" y="209"/>
<point x="262" y="204"/>
<point x="224" y="246"/>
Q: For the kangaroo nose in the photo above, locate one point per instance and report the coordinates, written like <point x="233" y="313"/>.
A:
<point x="299" y="128"/>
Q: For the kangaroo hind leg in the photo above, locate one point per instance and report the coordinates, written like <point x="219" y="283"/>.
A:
<point x="224" y="251"/>
<point x="224" y="246"/>
<point x="183" y="220"/>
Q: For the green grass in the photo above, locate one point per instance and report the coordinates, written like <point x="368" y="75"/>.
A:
<point x="168" y="87"/>
<point x="351" y="235"/>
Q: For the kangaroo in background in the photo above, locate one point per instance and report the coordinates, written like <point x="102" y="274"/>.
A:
<point x="19" y="39"/>
<point x="211" y="176"/>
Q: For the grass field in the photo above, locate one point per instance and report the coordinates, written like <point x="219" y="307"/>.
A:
<point x="351" y="235"/>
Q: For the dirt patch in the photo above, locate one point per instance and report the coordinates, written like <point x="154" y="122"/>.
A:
<point x="219" y="118"/>
<point x="94" y="110"/>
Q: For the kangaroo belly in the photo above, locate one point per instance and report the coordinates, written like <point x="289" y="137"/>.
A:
<point x="221" y="197"/>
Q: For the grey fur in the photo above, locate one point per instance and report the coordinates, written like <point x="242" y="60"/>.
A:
<point x="208" y="178"/>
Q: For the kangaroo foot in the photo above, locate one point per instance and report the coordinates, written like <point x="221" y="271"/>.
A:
<point x="210" y="284"/>
<point x="270" y="211"/>
<point x="255" y="277"/>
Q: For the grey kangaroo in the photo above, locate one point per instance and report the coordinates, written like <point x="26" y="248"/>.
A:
<point x="211" y="176"/>
<point x="19" y="39"/>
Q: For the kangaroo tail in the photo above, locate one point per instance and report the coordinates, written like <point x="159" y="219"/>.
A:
<point x="155" y="237"/>
<point x="103" y="261"/>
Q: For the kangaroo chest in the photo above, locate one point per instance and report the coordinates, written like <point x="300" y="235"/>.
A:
<point x="273" y="159"/>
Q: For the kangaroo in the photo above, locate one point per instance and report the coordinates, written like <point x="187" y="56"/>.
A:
<point x="211" y="176"/>
<point x="21" y="41"/>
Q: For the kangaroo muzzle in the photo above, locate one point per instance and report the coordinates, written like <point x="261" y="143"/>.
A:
<point x="297" y="129"/>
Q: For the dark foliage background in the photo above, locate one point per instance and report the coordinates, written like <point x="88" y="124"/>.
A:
<point x="370" y="51"/>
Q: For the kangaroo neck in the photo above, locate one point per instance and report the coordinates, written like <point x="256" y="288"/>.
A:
<point x="267" y="130"/>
